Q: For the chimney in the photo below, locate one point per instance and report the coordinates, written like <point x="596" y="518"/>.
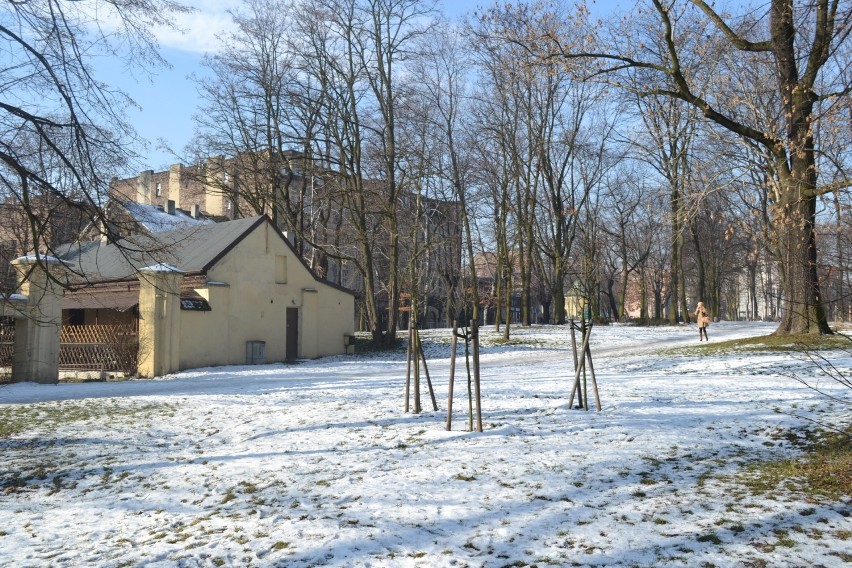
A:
<point x="103" y="237"/>
<point x="143" y="187"/>
<point x="170" y="207"/>
<point x="196" y="211"/>
<point x="174" y="183"/>
<point x="213" y="201"/>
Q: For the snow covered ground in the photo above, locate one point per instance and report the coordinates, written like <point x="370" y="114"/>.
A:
<point x="316" y="464"/>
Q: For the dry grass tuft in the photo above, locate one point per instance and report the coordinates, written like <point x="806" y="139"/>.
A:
<point x="825" y="469"/>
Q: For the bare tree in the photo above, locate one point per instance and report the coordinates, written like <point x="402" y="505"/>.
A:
<point x="64" y="134"/>
<point x="247" y="116"/>
<point x="803" y="42"/>
<point x="623" y="196"/>
<point x="443" y="70"/>
<point x="388" y="31"/>
<point x="501" y="146"/>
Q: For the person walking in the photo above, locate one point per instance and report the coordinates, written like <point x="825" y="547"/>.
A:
<point x="702" y="316"/>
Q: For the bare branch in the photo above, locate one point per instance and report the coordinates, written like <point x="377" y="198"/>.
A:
<point x="738" y="41"/>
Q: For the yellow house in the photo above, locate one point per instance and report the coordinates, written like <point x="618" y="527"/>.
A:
<point x="575" y="303"/>
<point x="209" y="294"/>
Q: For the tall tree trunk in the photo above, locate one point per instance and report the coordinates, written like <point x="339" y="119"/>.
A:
<point x="699" y="263"/>
<point x="622" y="296"/>
<point x="558" y="307"/>
<point x="803" y="308"/>
<point x="526" y="275"/>
<point x="684" y="308"/>
<point x="497" y="290"/>
<point x="752" y="292"/>
<point x="674" y="265"/>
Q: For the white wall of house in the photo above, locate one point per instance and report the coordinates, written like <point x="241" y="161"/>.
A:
<point x="252" y="287"/>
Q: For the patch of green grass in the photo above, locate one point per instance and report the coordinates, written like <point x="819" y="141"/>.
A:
<point x="825" y="469"/>
<point x="652" y="461"/>
<point x="364" y="345"/>
<point x="710" y="538"/>
<point x="229" y="496"/>
<point x="766" y="344"/>
<point x="16" y="419"/>
<point x="772" y="344"/>
<point x="784" y="539"/>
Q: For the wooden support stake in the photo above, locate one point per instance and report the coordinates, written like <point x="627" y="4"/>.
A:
<point x="408" y="369"/>
<point x="415" y="355"/>
<point x="476" y="385"/>
<point x="587" y="332"/>
<point x="581" y="367"/>
<point x="574" y="328"/>
<point x="453" y="349"/>
<point x="426" y="370"/>
<point x="467" y="357"/>
<point x="594" y="381"/>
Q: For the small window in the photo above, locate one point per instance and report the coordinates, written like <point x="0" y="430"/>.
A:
<point x="281" y="269"/>
<point x="227" y="177"/>
<point x="75" y="317"/>
<point x="159" y="189"/>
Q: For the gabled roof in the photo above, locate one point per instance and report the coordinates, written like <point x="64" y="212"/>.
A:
<point x="191" y="249"/>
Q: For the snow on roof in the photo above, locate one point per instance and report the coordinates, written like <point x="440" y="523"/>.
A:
<point x="189" y="248"/>
<point x="43" y="258"/>
<point x="161" y="267"/>
<point x="155" y="220"/>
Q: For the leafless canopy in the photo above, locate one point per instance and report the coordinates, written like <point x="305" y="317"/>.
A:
<point x="62" y="132"/>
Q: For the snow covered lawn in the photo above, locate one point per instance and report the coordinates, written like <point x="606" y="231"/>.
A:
<point x="316" y="464"/>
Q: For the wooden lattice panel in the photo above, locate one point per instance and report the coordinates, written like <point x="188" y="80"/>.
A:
<point x="95" y="333"/>
<point x="7" y="342"/>
<point x="99" y="348"/>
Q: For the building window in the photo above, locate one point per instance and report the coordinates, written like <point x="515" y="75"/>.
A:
<point x="75" y="317"/>
<point x="227" y="178"/>
<point x="159" y="189"/>
<point x="280" y="269"/>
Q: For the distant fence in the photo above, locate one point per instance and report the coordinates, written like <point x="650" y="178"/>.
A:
<point x="99" y="348"/>
<point x="7" y="341"/>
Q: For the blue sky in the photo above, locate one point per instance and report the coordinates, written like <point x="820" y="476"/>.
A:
<point x="168" y="99"/>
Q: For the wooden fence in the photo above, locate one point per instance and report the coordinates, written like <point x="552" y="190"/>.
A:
<point x="84" y="347"/>
<point x="7" y="341"/>
<point x="99" y="348"/>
